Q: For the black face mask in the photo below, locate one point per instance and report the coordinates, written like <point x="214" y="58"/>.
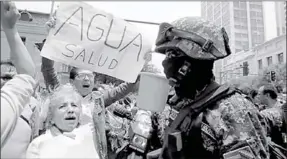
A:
<point x="199" y="75"/>
<point x="172" y="63"/>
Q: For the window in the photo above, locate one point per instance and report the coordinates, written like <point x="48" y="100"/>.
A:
<point x="253" y="22"/>
<point x="236" y="14"/>
<point x="244" y="20"/>
<point x="236" y="4"/>
<point x="260" y="66"/>
<point x="237" y="43"/>
<point x="243" y="14"/>
<point x="261" y="29"/>
<point x="243" y="5"/>
<point x="23" y="39"/>
<point x="245" y="45"/>
<point x="280" y="58"/>
<point x="269" y="60"/>
<point x="236" y="19"/>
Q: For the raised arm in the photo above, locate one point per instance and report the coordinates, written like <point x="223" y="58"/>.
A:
<point x="19" y="53"/>
<point x="119" y="92"/>
<point x="15" y="94"/>
<point x="47" y="68"/>
<point x="49" y="73"/>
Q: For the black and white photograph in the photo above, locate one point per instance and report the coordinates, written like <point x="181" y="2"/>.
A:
<point x="143" y="79"/>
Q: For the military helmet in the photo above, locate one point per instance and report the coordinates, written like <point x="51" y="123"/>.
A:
<point x="195" y="37"/>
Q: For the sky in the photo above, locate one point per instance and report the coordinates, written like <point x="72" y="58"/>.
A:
<point x="154" y="11"/>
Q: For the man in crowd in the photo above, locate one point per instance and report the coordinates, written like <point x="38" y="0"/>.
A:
<point x="209" y="120"/>
<point x="267" y="95"/>
<point x="16" y="90"/>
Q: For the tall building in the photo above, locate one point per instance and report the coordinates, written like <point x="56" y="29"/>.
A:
<point x="280" y="14"/>
<point x="243" y="22"/>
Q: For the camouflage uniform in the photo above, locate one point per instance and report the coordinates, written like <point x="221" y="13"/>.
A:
<point x="229" y="128"/>
<point x="232" y="124"/>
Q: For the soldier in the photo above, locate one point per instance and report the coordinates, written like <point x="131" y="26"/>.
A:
<point x="208" y="120"/>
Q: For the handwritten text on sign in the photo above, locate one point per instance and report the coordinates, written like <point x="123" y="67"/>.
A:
<point x="89" y="38"/>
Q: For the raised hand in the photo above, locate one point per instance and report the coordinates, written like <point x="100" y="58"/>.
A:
<point x="148" y="57"/>
<point x="51" y="23"/>
<point x="9" y="14"/>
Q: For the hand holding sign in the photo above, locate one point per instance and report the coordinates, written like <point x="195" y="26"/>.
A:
<point x="51" y="23"/>
<point x="93" y="39"/>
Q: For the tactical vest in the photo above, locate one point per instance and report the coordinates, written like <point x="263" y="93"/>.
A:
<point x="183" y="139"/>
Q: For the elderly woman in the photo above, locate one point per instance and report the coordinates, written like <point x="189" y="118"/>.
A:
<point x="65" y="137"/>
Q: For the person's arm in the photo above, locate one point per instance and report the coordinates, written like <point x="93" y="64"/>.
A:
<point x="15" y="94"/>
<point x="119" y="92"/>
<point x="49" y="73"/>
<point x="19" y="53"/>
<point x="47" y="67"/>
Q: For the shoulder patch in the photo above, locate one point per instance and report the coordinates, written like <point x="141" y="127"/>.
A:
<point x="207" y="130"/>
<point x="244" y="152"/>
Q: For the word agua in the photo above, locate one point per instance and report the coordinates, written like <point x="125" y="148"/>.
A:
<point x="101" y="61"/>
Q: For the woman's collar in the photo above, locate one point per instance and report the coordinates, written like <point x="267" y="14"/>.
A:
<point x="55" y="131"/>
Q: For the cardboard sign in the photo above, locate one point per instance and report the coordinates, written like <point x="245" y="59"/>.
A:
<point x="92" y="39"/>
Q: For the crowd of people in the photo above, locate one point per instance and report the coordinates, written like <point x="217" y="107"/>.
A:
<point x="203" y="119"/>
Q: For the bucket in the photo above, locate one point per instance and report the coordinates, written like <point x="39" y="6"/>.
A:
<point x="153" y="92"/>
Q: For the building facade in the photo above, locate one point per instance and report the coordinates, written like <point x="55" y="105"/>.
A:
<point x="243" y="22"/>
<point x="271" y="52"/>
<point x="280" y="15"/>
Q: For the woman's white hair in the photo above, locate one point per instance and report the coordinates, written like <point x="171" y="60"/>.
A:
<point x="48" y="107"/>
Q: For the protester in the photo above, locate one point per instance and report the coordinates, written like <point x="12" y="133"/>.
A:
<point x="16" y="90"/>
<point x="267" y="95"/>
<point x="212" y="121"/>
<point x="65" y="137"/>
<point x="83" y="80"/>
